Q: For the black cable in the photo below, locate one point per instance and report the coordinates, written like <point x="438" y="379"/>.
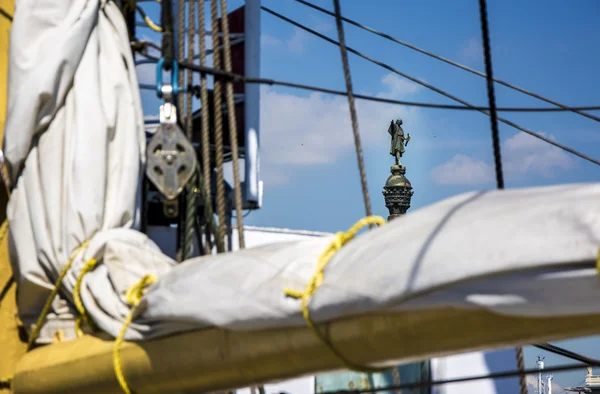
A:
<point x="567" y="353"/>
<point x="5" y="14"/>
<point x="487" y="51"/>
<point x="352" y="108"/>
<point x="166" y="21"/>
<point x="272" y="82"/>
<point x="576" y="110"/>
<point x="413" y="79"/>
<point x="240" y="78"/>
<point x="498" y="375"/>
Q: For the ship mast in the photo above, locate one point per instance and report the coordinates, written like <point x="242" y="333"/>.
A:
<point x="540" y="365"/>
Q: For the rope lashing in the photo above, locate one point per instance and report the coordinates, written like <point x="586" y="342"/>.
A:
<point x="339" y="240"/>
<point x="133" y="296"/>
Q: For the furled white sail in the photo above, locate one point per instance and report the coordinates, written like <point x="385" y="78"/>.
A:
<point x="74" y="146"/>
<point x="74" y="143"/>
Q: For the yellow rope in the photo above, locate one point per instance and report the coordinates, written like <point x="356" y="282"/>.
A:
<point x="83" y="316"/>
<point x="57" y="284"/>
<point x="133" y="296"/>
<point x="147" y="19"/>
<point x="152" y="25"/>
<point x="317" y="279"/>
<point x="4" y="382"/>
<point x="3" y="229"/>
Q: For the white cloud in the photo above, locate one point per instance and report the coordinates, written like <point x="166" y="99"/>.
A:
<point x="522" y="155"/>
<point x="529" y="155"/>
<point x="463" y="170"/>
<point x="396" y="86"/>
<point x="316" y="129"/>
<point x="473" y="50"/>
<point x="297" y="43"/>
<point x="269" y="41"/>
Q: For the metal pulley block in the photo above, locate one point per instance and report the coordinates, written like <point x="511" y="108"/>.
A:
<point x="171" y="160"/>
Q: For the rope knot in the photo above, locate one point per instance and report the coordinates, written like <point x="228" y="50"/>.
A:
<point x="83" y="316"/>
<point x="134" y="296"/>
<point x="136" y="292"/>
<point x="338" y="241"/>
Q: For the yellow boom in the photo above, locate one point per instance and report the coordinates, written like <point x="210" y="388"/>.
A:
<point x="12" y="348"/>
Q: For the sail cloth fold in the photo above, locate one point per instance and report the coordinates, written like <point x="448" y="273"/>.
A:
<point x="75" y="122"/>
<point x="507" y="251"/>
<point x="74" y="145"/>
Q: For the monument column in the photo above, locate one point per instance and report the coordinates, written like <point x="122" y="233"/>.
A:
<point x="397" y="191"/>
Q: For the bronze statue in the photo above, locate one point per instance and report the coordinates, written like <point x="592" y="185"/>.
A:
<point x="398" y="140"/>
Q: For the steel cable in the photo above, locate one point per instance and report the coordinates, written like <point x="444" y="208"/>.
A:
<point x="497" y="375"/>
<point x="191" y="187"/>
<point x="267" y="81"/>
<point x="567" y="353"/>
<point x="218" y="114"/>
<point x="577" y="110"/>
<point x="205" y="132"/>
<point x="352" y="107"/>
<point x="485" y="33"/>
<point x="437" y="90"/>
<point x="235" y="77"/>
<point x="233" y="139"/>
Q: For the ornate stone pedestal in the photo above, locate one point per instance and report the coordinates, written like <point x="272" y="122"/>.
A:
<point x="397" y="192"/>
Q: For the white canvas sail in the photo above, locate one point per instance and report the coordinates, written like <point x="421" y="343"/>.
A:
<point x="74" y="144"/>
<point x="75" y="122"/>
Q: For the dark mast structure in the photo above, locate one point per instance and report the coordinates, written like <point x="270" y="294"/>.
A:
<point x="397" y="191"/>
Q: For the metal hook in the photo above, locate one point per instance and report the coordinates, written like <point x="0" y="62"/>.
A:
<point x="159" y="78"/>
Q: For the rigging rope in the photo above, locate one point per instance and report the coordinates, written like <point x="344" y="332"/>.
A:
<point x="181" y="99"/>
<point x="205" y="133"/>
<point x="267" y="81"/>
<point x="351" y="104"/>
<point x="343" y="48"/>
<point x="191" y="188"/>
<point x="211" y="227"/>
<point x="425" y="384"/>
<point x="153" y="26"/>
<point x="340" y="239"/>
<point x="235" y="77"/>
<point x="57" y="285"/>
<point x="521" y="369"/>
<point x="485" y="34"/>
<point x="180" y="49"/>
<point x="134" y="296"/>
<point x="417" y="81"/>
<point x="577" y="110"/>
<point x="233" y="138"/>
<point x="567" y="353"/>
<point x="166" y="47"/>
<point x="218" y="108"/>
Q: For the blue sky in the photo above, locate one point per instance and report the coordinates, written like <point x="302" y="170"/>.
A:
<point x="308" y="160"/>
